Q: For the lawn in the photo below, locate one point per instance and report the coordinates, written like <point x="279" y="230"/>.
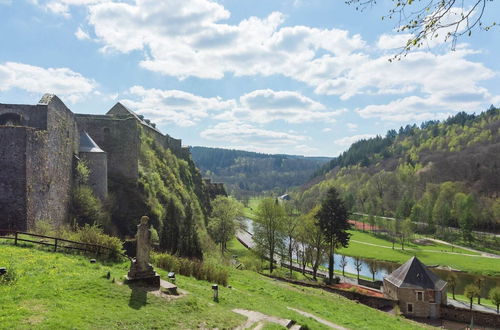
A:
<point x="473" y="264"/>
<point x="57" y="291"/>
<point x="249" y="211"/>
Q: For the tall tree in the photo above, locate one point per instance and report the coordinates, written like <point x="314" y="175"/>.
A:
<point x="269" y="222"/>
<point x="343" y="263"/>
<point x="358" y="265"/>
<point x="313" y="236"/>
<point x="332" y="219"/>
<point x="290" y="223"/>
<point x="494" y="295"/>
<point x="223" y="219"/>
<point x="471" y="291"/>
<point x="452" y="282"/>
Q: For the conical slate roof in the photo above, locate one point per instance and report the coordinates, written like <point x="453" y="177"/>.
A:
<point x="87" y="144"/>
<point x="415" y="275"/>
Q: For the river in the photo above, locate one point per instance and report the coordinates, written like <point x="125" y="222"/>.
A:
<point x="384" y="268"/>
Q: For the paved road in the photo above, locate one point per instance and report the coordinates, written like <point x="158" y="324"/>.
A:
<point x="476" y="307"/>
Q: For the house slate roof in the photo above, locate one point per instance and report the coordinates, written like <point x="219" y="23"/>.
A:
<point x="413" y="274"/>
<point x="87" y="144"/>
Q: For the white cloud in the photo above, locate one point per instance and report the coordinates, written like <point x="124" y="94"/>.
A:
<point x="241" y="133"/>
<point x="174" y="106"/>
<point x="393" y="41"/>
<point x="61" y="81"/>
<point x="348" y="140"/>
<point x="260" y="106"/>
<point x="352" y="127"/>
<point x="189" y="38"/>
<point x="326" y="129"/>
<point x="82" y="35"/>
<point x="264" y="106"/>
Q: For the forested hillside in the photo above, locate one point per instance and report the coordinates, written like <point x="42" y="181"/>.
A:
<point x="441" y="173"/>
<point x="249" y="173"/>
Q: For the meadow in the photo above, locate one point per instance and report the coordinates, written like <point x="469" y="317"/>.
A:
<point x="53" y="290"/>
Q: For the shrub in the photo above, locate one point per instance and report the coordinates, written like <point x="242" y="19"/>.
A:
<point x="86" y="208"/>
<point x="206" y="271"/>
<point x="95" y="235"/>
<point x="44" y="227"/>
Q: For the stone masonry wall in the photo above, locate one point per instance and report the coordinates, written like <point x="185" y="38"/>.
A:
<point x="13" y="178"/>
<point x="119" y="138"/>
<point x="50" y="163"/>
<point x="32" y="115"/>
<point x="464" y="315"/>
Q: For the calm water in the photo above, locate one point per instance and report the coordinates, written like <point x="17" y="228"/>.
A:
<point x="384" y="268"/>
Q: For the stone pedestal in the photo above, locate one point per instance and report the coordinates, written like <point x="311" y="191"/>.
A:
<point x="141" y="271"/>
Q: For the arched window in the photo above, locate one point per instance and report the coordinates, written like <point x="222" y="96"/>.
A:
<point x="11" y="119"/>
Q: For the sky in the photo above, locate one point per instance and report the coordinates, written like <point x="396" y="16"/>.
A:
<point x="286" y="76"/>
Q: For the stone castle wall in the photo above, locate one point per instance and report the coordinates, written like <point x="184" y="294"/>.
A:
<point x="50" y="163"/>
<point x="119" y="138"/>
<point x="31" y="115"/>
<point x="13" y="177"/>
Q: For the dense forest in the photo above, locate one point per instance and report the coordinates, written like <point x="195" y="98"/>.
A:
<point x="249" y="173"/>
<point x="443" y="174"/>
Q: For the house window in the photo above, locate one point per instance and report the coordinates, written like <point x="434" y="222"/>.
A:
<point x="410" y="308"/>
<point x="420" y="296"/>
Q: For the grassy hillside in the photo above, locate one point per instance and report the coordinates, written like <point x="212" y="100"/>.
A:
<point x="56" y="291"/>
<point x="250" y="173"/>
<point x="171" y="192"/>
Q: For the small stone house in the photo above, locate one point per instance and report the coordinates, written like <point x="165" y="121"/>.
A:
<point x="419" y="292"/>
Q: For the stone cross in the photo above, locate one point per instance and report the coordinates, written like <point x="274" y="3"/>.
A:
<point x="141" y="270"/>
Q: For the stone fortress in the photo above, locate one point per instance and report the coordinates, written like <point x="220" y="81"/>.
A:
<point x="41" y="144"/>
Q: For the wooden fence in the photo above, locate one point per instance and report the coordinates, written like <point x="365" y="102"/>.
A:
<point x="57" y="242"/>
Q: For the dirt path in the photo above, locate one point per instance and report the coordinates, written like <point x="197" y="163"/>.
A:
<point x="320" y="320"/>
<point x="258" y="319"/>
<point x="483" y="254"/>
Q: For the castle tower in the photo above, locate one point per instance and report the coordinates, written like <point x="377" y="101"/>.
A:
<point x="97" y="162"/>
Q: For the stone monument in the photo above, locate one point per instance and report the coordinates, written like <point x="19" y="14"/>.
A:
<point x="141" y="270"/>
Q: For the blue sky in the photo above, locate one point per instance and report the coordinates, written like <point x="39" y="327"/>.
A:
<point x="290" y="76"/>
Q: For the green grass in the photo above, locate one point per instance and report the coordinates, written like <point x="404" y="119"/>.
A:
<point x="484" y="301"/>
<point x="252" y="206"/>
<point x="57" y="291"/>
<point x="473" y="264"/>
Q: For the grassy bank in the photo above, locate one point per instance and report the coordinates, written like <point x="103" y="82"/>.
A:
<point x="54" y="290"/>
<point x="366" y="245"/>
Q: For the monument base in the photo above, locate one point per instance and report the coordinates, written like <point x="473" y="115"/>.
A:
<point x="144" y="275"/>
<point x="152" y="281"/>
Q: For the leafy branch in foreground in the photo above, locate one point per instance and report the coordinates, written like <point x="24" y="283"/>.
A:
<point x="426" y="20"/>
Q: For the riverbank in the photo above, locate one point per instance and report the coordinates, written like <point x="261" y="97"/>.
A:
<point x="365" y="245"/>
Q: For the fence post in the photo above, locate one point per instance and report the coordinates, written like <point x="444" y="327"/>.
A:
<point x="15" y="239"/>
<point x="98" y="251"/>
<point x="55" y="245"/>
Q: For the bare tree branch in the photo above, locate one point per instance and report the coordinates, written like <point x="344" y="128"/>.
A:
<point x="425" y="20"/>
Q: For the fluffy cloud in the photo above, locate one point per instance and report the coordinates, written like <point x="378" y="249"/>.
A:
<point x="264" y="106"/>
<point x="181" y="108"/>
<point x="191" y="38"/>
<point x="241" y="133"/>
<point x="61" y="81"/>
<point x="260" y="106"/>
<point x="188" y="38"/>
<point x="348" y="140"/>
